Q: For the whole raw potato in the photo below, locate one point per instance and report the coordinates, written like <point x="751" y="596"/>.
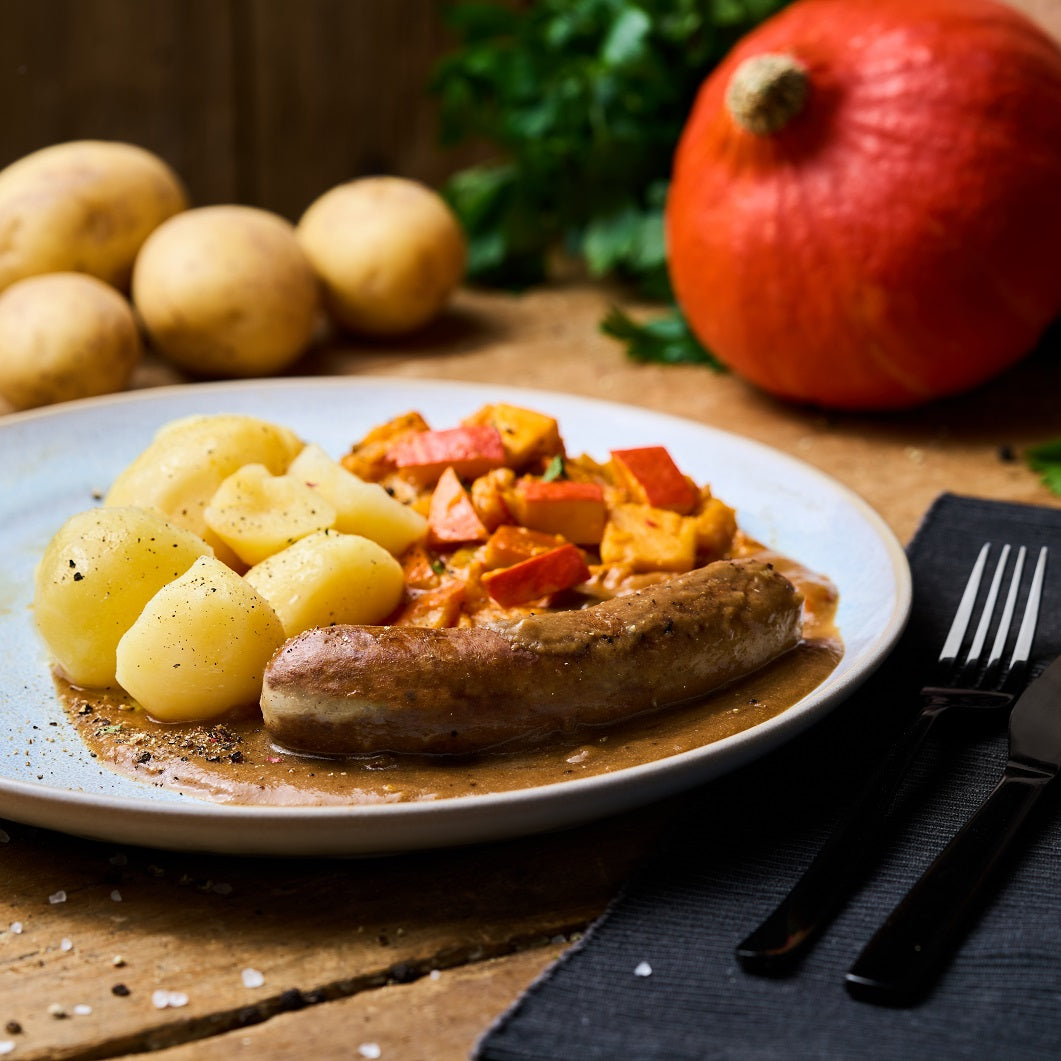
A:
<point x="83" y="206"/>
<point x="227" y="291"/>
<point x="389" y="251"/>
<point x="64" y="336"/>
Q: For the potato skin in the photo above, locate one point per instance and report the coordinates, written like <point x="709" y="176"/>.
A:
<point x="388" y="250"/>
<point x="83" y="206"/>
<point x="226" y="291"/>
<point x="65" y="336"/>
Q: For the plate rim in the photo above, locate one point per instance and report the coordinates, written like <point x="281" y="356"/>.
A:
<point x="525" y="810"/>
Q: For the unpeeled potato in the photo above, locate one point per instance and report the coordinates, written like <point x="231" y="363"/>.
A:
<point x="83" y="206"/>
<point x="64" y="336"/>
<point x="388" y="250"/>
<point x="226" y="291"/>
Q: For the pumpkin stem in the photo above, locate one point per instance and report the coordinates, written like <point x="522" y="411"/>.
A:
<point x="766" y="92"/>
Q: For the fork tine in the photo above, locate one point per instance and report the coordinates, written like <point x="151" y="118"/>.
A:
<point x="1023" y="648"/>
<point x="1007" y="613"/>
<point x="956" y="635"/>
<point x="989" y="609"/>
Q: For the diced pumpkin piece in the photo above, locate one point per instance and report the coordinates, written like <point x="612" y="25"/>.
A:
<point x="452" y="519"/>
<point x="575" y="510"/>
<point x="526" y="435"/>
<point x="422" y="569"/>
<point x="716" y="525"/>
<point x="537" y="577"/>
<point x="437" y="608"/>
<point x="368" y="459"/>
<point x="257" y="513"/>
<point x="510" y="545"/>
<point x="652" y="478"/>
<point x="470" y="451"/>
<point x="649" y="539"/>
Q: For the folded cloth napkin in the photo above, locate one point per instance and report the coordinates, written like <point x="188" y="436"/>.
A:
<point x="656" y="976"/>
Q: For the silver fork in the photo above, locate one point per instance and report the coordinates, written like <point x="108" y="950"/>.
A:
<point x="961" y="680"/>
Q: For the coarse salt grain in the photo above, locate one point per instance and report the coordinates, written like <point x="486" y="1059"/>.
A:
<point x="6" y="1046"/>
<point x="371" y="1050"/>
<point x="252" y="978"/>
<point x="643" y="969"/>
<point x="82" y="1009"/>
<point x="116" y="896"/>
<point x="16" y="928"/>
<point x="57" y="897"/>
<point x="168" y="999"/>
<point x="66" y="944"/>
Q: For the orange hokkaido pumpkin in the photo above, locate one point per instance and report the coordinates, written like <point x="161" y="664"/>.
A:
<point x="865" y="210"/>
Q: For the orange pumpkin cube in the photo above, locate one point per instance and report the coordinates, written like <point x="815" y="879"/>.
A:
<point x="525" y="434"/>
<point x="510" y="545"/>
<point x="537" y="577"/>
<point x="575" y="510"/>
<point x="436" y="608"/>
<point x="652" y="478"/>
<point x="451" y="518"/>
<point x="649" y="539"/>
<point x="470" y="451"/>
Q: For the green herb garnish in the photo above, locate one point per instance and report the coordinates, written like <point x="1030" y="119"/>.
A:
<point x="665" y="339"/>
<point x="554" y="469"/>
<point x="1046" y="460"/>
<point x="584" y="101"/>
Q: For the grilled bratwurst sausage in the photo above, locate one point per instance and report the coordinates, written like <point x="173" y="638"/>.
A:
<point x="343" y="690"/>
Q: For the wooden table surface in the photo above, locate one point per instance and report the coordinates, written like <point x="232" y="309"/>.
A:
<point x="108" y="952"/>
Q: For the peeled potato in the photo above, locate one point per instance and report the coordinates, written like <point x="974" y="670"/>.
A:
<point x="227" y="291"/>
<point x="388" y="250"/>
<point x="257" y="513"/>
<point x="64" y="336"/>
<point x="85" y="206"/>
<point x="188" y="459"/>
<point x="199" y="647"/>
<point x="96" y="575"/>
<point x="361" y="508"/>
<point x="329" y="578"/>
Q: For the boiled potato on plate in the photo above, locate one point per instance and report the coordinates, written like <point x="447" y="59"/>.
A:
<point x="199" y="647"/>
<point x="97" y="573"/>
<point x="361" y="508"/>
<point x="256" y="513"/>
<point x="327" y="578"/>
<point x="179" y="471"/>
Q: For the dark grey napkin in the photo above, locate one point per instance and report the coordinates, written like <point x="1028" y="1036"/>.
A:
<point x="656" y="975"/>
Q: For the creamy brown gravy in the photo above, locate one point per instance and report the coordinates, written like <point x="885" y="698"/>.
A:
<point x="233" y="761"/>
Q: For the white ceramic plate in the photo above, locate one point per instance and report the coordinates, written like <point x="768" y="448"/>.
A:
<point x="58" y="461"/>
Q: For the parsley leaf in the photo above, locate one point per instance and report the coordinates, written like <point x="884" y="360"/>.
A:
<point x="1046" y="460"/>
<point x="583" y="102"/>
<point x="665" y="339"/>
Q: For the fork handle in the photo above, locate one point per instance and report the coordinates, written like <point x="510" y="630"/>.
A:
<point x="902" y="961"/>
<point x="775" y="947"/>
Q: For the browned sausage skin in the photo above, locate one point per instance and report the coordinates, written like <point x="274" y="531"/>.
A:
<point x="343" y="690"/>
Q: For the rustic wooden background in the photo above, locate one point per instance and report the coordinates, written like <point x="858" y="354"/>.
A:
<point x="265" y="102"/>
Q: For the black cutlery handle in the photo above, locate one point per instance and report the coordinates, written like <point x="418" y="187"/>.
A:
<point x="901" y="962"/>
<point x="775" y="947"/>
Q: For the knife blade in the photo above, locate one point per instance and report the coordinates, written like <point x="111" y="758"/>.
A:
<point x="904" y="958"/>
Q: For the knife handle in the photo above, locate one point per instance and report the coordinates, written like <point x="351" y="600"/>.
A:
<point x="775" y="947"/>
<point x="902" y="960"/>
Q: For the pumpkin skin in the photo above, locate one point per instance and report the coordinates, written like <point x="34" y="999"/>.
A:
<point x="897" y="240"/>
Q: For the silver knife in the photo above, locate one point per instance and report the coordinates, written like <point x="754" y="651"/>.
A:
<point x="901" y="962"/>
